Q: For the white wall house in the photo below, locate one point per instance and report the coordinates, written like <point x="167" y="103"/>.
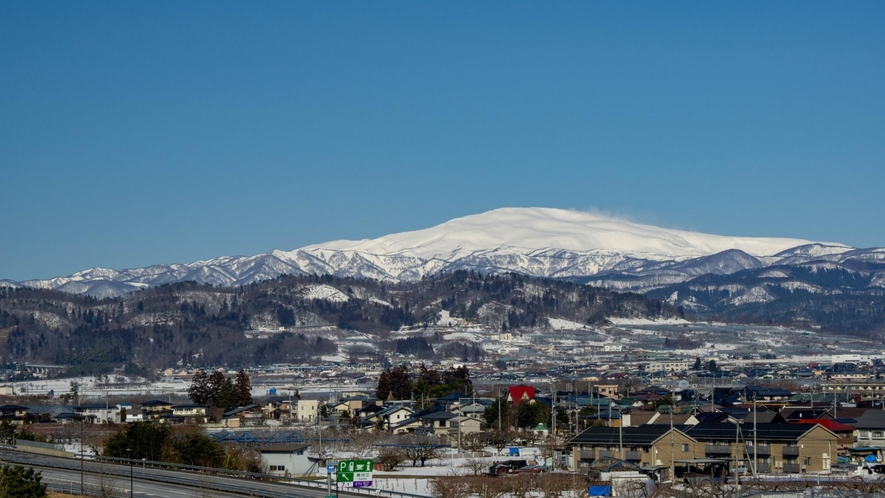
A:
<point x="308" y="410"/>
<point x="288" y="460"/>
<point x="100" y="413"/>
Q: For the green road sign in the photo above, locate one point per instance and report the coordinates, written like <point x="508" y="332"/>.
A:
<point x="355" y="471"/>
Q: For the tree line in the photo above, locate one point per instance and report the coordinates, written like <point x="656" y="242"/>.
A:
<point x="217" y="390"/>
<point x="197" y="325"/>
<point x="185" y="445"/>
<point x="421" y="383"/>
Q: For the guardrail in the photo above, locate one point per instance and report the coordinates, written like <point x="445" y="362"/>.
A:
<point x="122" y="470"/>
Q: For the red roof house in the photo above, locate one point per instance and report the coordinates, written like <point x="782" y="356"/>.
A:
<point x="515" y="394"/>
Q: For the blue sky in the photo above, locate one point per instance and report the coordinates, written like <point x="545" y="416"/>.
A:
<point x="136" y="133"/>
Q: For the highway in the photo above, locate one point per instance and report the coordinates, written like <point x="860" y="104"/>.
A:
<point x="63" y="474"/>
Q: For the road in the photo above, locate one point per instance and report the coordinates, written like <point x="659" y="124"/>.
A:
<point x="151" y="482"/>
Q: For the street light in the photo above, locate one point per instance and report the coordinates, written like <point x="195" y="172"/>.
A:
<point x="129" y="454"/>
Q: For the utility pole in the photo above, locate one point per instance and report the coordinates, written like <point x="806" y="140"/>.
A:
<point x="737" y="444"/>
<point x="500" y="409"/>
<point x="82" y="427"/>
<point x="672" y="451"/>
<point x="554" y="412"/>
<point x="755" y="452"/>
<point x="621" y="433"/>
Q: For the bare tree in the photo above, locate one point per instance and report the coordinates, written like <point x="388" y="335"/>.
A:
<point x="474" y="465"/>
<point x="473" y="442"/>
<point x="449" y="487"/>
<point x="390" y="457"/>
<point x="547" y="446"/>
<point x="521" y="485"/>
<point x="501" y="439"/>
<point x="421" y="448"/>
<point x="486" y="487"/>
<point x="552" y="485"/>
<point x="529" y="436"/>
<point x="360" y="443"/>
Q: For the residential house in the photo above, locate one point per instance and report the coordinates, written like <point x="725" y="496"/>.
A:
<point x="794" y="414"/>
<point x="447" y="402"/>
<point x="99" y="413"/>
<point x="191" y="414"/>
<point x="649" y="446"/>
<point x="521" y="393"/>
<point x="640" y="418"/>
<point x="308" y="410"/>
<point x="465" y="425"/>
<point x="396" y="418"/>
<point x="15" y="413"/>
<point x="351" y="404"/>
<point x="475" y="410"/>
<point x="766" y="394"/>
<point x="156" y="409"/>
<point x="288" y="460"/>
<point x="278" y="407"/>
<point x="243" y="415"/>
<point x="606" y="390"/>
<point x="787" y="448"/>
<point x="870" y="429"/>
<point x="843" y="431"/>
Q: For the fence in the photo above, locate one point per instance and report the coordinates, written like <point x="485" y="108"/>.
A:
<point x="42" y="448"/>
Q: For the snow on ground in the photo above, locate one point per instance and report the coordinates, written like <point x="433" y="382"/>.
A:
<point x="646" y="321"/>
<point x="560" y="324"/>
<point x="381" y="302"/>
<point x="86" y="386"/>
<point x="416" y="480"/>
<point x="325" y="292"/>
<point x="462" y="336"/>
<point x="334" y="358"/>
<point x="445" y="319"/>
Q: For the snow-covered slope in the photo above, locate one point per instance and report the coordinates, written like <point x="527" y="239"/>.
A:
<point x="535" y="241"/>
<point x="521" y="230"/>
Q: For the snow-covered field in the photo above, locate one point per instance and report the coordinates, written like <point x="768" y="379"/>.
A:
<point x="560" y="324"/>
<point x="416" y="480"/>
<point x="646" y="321"/>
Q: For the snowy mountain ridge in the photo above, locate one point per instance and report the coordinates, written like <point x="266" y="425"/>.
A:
<point x="539" y="242"/>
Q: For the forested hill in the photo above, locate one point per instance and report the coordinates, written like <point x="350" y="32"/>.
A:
<point x="201" y="325"/>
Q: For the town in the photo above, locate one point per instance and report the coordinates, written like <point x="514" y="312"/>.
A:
<point x="713" y="404"/>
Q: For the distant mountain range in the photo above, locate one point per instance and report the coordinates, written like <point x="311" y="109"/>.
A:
<point x="298" y="319"/>
<point x="702" y="272"/>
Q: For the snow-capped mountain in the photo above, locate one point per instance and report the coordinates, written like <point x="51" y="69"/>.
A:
<point x="535" y="241"/>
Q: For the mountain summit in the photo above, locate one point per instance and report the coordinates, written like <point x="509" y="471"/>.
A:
<point x="534" y="229"/>
<point x="534" y="241"/>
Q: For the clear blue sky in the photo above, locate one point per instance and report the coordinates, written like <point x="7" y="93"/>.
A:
<point x="136" y="133"/>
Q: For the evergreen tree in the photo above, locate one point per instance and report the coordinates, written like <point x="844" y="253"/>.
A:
<point x="244" y="389"/>
<point x="199" y="391"/>
<point x="199" y="449"/>
<point x="499" y="410"/>
<point x="697" y="364"/>
<point x="19" y="482"/>
<point x="531" y="413"/>
<point x="427" y="385"/>
<point x="216" y="383"/>
<point x="228" y="396"/>
<point x="141" y="440"/>
<point x="7" y="431"/>
<point x="394" y="383"/>
<point x="457" y="380"/>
